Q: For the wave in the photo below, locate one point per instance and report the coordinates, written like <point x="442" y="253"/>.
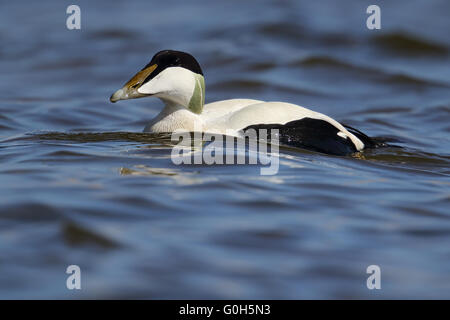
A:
<point x="408" y="44"/>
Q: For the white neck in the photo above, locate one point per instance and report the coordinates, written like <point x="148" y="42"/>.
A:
<point x="174" y="116"/>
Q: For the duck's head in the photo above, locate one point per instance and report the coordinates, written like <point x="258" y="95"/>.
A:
<point x="173" y="76"/>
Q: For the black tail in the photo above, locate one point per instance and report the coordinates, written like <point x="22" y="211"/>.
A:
<point x="368" y="141"/>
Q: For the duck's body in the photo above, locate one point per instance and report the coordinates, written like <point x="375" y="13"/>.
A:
<point x="176" y="78"/>
<point x="216" y="117"/>
<point x="234" y="115"/>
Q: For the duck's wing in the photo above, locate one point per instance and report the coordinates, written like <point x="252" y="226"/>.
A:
<point x="311" y="134"/>
<point x="298" y="126"/>
<point x="218" y="109"/>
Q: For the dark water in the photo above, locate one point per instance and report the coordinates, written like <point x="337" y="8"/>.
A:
<point x="79" y="183"/>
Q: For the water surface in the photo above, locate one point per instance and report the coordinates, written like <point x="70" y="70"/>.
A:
<point x="80" y="184"/>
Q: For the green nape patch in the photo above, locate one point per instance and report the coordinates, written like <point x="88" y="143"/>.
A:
<point x="198" y="97"/>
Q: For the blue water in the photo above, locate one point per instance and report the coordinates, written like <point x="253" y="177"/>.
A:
<point x="80" y="184"/>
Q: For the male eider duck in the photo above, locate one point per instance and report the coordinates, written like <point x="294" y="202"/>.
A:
<point x="177" y="79"/>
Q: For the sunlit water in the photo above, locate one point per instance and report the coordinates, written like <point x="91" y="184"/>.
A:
<point x="80" y="184"/>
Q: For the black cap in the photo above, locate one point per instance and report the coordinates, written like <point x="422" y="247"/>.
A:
<point x="171" y="58"/>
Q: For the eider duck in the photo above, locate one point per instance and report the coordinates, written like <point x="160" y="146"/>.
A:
<point x="176" y="78"/>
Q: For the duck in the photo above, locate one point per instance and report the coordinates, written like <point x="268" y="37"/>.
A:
<point x="176" y="78"/>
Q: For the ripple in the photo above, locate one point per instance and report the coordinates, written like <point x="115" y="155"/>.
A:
<point x="76" y="235"/>
<point x="87" y="137"/>
<point x="261" y="66"/>
<point x="33" y="212"/>
<point x="384" y="110"/>
<point x="326" y="61"/>
<point x="366" y="72"/>
<point x="248" y="85"/>
<point x="282" y="30"/>
<point x="409" y="159"/>
<point x="119" y="34"/>
<point x="427" y="233"/>
<point x="408" y="44"/>
<point x="64" y="64"/>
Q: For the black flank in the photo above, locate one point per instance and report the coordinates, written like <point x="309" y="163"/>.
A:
<point x="312" y="134"/>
